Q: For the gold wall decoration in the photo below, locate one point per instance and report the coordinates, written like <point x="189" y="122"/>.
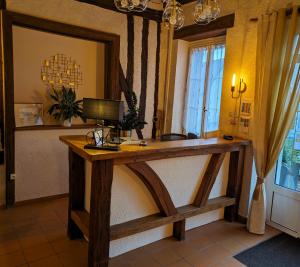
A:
<point x="61" y="71"/>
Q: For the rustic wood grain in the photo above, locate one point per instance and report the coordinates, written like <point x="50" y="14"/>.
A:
<point x="149" y="13"/>
<point x="156" y="220"/>
<point x="155" y="186"/>
<point x="235" y="177"/>
<point x="99" y="225"/>
<point x="76" y="191"/>
<point x="209" y="179"/>
<point x="215" y="28"/>
<point x="155" y="149"/>
<point x="156" y="89"/>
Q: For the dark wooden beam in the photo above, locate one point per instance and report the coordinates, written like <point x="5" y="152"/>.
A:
<point x="2" y="4"/>
<point x="155" y="186"/>
<point x="157" y="75"/>
<point x="209" y="179"/>
<point x="183" y="2"/>
<point x="149" y="13"/>
<point x="197" y="32"/>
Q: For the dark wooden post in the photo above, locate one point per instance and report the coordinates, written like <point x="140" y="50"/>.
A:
<point x="76" y="191"/>
<point x="99" y="236"/>
<point x="235" y="177"/>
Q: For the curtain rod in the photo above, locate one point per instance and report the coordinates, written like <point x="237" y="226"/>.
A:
<point x="288" y="12"/>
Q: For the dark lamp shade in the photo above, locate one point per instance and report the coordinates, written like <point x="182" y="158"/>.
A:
<point x="103" y="109"/>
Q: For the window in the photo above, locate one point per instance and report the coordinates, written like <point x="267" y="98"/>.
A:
<point x="204" y="88"/>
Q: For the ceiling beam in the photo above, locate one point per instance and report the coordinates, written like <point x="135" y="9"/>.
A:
<point x="197" y="32"/>
<point x="183" y="2"/>
<point x="149" y="13"/>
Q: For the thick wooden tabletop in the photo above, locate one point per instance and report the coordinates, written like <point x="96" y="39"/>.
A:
<point x="155" y="149"/>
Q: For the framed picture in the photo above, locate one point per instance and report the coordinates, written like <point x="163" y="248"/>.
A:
<point x="28" y="114"/>
<point x="246" y="108"/>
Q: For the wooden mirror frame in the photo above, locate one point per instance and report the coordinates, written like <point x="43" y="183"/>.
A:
<point x="111" y="85"/>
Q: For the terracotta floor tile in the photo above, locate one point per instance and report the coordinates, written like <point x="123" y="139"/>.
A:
<point x="52" y="261"/>
<point x="12" y="260"/>
<point x="9" y="247"/>
<point x="65" y="245"/>
<point x="232" y="245"/>
<point x="208" y="256"/>
<point x="229" y="262"/>
<point x="181" y="263"/>
<point x="166" y="257"/>
<point x="33" y="240"/>
<point x="38" y="252"/>
<point x="71" y="259"/>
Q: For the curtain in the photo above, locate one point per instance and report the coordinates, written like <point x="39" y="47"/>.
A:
<point x="277" y="94"/>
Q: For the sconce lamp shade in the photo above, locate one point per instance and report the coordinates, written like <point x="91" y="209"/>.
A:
<point x="103" y="109"/>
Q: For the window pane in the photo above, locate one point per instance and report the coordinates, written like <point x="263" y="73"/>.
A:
<point x="195" y="91"/>
<point x="214" y="90"/>
<point x="288" y="166"/>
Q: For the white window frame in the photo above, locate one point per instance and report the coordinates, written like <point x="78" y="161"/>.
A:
<point x="221" y="40"/>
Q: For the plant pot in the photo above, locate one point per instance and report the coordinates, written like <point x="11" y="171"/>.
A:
<point x="67" y="123"/>
<point x="126" y="134"/>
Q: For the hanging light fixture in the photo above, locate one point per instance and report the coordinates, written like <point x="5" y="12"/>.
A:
<point x="173" y="15"/>
<point x="131" y="5"/>
<point x="206" y="11"/>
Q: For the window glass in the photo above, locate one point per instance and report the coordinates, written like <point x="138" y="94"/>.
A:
<point x="204" y="89"/>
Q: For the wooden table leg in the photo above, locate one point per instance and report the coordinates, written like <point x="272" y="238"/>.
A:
<point x="235" y="177"/>
<point x="99" y="237"/>
<point x="76" y="191"/>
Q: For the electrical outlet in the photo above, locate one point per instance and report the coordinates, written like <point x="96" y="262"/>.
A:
<point x="12" y="176"/>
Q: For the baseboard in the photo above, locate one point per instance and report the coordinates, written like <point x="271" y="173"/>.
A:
<point x="39" y="200"/>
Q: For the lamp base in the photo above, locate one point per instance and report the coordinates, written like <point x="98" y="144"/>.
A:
<point x="103" y="147"/>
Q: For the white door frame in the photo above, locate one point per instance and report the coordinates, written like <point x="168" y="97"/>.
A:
<point x="271" y="189"/>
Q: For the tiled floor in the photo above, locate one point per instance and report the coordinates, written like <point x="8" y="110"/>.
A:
<point x="35" y="235"/>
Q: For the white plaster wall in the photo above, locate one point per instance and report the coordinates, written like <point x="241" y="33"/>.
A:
<point x="131" y="199"/>
<point x="41" y="163"/>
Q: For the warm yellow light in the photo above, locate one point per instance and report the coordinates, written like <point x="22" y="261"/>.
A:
<point x="233" y="80"/>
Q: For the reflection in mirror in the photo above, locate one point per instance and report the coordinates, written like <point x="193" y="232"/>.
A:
<point x="32" y="50"/>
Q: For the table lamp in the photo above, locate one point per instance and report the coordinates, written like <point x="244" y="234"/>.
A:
<point x="102" y="110"/>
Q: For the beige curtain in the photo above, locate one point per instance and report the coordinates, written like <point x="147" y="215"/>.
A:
<point x="277" y="94"/>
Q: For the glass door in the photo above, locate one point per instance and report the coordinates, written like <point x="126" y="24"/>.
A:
<point x="284" y="192"/>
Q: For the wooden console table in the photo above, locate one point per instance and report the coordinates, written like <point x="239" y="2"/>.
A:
<point x="96" y="224"/>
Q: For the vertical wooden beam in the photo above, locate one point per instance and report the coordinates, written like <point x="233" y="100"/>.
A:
<point x="179" y="230"/>
<point x="9" y="114"/>
<point x="156" y="90"/>
<point x="144" y="72"/>
<point x="209" y="179"/>
<point x="99" y="236"/>
<point x="76" y="191"/>
<point x="235" y="177"/>
<point x="130" y="51"/>
<point x="1" y="95"/>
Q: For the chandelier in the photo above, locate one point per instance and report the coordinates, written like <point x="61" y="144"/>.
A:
<point x="205" y="11"/>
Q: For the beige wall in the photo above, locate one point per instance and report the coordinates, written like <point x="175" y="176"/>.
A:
<point x="180" y="61"/>
<point x="31" y="48"/>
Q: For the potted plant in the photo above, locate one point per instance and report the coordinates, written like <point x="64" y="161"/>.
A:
<point x="131" y="118"/>
<point x="66" y="107"/>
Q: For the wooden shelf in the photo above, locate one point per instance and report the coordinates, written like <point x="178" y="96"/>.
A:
<point x="55" y="127"/>
<point x="81" y="218"/>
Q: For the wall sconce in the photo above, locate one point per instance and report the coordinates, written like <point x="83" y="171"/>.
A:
<point x="242" y="87"/>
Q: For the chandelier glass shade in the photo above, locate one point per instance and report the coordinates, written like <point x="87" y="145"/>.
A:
<point x="206" y="11"/>
<point x="173" y="16"/>
<point x="131" y="5"/>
